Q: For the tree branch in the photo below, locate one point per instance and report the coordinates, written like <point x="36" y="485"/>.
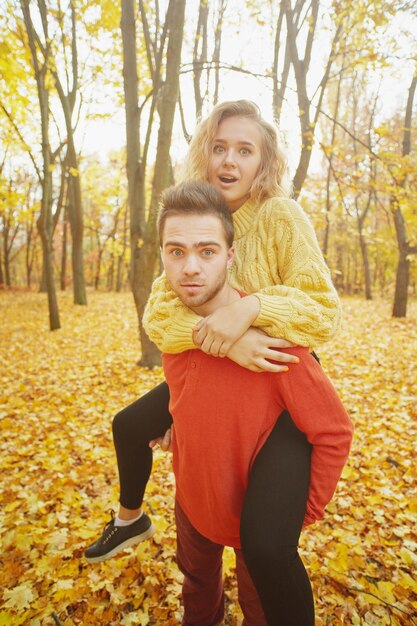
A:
<point x="19" y="134"/>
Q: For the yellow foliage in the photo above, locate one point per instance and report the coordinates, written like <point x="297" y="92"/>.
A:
<point x="58" y="394"/>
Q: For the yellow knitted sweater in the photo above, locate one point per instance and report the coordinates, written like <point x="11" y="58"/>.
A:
<point x="278" y="258"/>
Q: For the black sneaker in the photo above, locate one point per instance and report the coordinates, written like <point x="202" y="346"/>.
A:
<point x="116" y="538"/>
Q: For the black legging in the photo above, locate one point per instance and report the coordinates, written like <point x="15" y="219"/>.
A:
<point x="272" y="516"/>
<point x="273" y="509"/>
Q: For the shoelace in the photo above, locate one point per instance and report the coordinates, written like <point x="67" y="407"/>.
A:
<point x="107" y="536"/>
<point x="112" y="515"/>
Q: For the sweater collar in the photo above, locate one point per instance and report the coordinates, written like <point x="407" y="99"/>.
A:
<point x="243" y="218"/>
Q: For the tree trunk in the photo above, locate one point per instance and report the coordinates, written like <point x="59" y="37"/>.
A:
<point x="134" y="166"/>
<point x="366" y="268"/>
<point x="143" y="240"/>
<point x="63" y="274"/>
<point x="200" y="55"/>
<point x="121" y="257"/>
<point x="45" y="225"/>
<point x="75" y="214"/>
<point x="42" y="281"/>
<point x="44" y="228"/>
<point x="330" y="164"/>
<point x="110" y="272"/>
<point x="402" y="280"/>
<point x="1" y="271"/>
<point x="30" y="250"/>
<point x="75" y="208"/>
<point x="308" y="122"/>
<point x="97" y="276"/>
<point x="300" y="71"/>
<point x="6" y="261"/>
<point x="404" y="248"/>
<point x="217" y="49"/>
<point x="46" y="231"/>
<point x="148" y="255"/>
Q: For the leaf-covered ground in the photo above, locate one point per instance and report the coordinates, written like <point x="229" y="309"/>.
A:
<point x="58" y="393"/>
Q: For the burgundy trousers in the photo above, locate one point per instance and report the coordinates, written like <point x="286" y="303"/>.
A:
<point x="200" y="560"/>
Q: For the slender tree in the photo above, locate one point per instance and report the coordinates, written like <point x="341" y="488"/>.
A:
<point x="44" y="223"/>
<point x="301" y="65"/>
<point x="30" y="232"/>
<point x="405" y="249"/>
<point x="364" y="194"/>
<point x="200" y="55"/>
<point x="143" y="240"/>
<point x="68" y="98"/>
<point x="329" y="152"/>
<point x="218" y="35"/>
<point x="1" y="271"/>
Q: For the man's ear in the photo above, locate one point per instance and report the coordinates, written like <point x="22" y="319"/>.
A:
<point x="230" y="257"/>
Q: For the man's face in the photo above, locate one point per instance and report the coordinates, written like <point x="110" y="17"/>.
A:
<point x="196" y="256"/>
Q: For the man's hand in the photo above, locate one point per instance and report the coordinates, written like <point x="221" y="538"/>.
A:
<point x="165" y="442"/>
<point x="254" y="348"/>
<point x="217" y="332"/>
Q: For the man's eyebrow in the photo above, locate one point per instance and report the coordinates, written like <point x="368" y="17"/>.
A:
<point x="203" y="244"/>
<point x="198" y="244"/>
<point x="178" y="244"/>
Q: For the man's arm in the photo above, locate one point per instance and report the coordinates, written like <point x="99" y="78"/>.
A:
<point x="317" y="410"/>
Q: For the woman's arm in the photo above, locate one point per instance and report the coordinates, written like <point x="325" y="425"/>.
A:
<point x="170" y="325"/>
<point x="301" y="304"/>
<point x="305" y="307"/>
<point x="255" y="351"/>
<point x="167" y="322"/>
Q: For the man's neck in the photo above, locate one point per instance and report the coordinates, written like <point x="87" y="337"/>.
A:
<point x="223" y="298"/>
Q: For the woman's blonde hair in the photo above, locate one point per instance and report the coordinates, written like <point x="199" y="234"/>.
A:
<point x="272" y="177"/>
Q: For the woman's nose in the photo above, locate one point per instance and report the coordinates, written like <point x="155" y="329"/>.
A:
<point x="229" y="157"/>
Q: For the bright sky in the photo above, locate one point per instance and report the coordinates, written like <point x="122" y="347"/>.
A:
<point x="251" y="48"/>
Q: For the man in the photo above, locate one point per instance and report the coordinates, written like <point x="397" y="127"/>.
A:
<point x="223" y="413"/>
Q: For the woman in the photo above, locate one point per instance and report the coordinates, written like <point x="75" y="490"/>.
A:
<point x="278" y="261"/>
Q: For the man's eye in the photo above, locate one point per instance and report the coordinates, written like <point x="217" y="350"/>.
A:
<point x="208" y="252"/>
<point x="176" y="252"/>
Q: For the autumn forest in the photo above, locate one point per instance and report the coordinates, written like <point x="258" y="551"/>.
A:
<point x="98" y="102"/>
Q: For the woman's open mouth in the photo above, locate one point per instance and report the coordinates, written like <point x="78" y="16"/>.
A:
<point x="227" y="179"/>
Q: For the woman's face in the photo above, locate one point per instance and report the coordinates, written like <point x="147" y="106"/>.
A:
<point x="235" y="159"/>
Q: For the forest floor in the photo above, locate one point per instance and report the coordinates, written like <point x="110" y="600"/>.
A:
<point x="58" y="393"/>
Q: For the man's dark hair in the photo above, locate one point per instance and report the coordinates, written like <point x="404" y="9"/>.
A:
<point x="195" y="197"/>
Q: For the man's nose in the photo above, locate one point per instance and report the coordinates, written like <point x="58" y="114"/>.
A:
<point x="191" y="265"/>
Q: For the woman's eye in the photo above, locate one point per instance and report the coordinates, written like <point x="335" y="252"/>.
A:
<point x="176" y="252"/>
<point x="244" y="151"/>
<point x="218" y="149"/>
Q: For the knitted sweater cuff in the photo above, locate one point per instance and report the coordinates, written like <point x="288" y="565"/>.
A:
<point x="274" y="311"/>
<point x="176" y="335"/>
<point x="182" y="337"/>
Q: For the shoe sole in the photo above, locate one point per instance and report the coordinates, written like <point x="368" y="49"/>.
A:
<point x="122" y="546"/>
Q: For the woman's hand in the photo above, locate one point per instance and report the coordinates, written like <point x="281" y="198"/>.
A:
<point x="217" y="332"/>
<point x="165" y="442"/>
<point x="254" y="348"/>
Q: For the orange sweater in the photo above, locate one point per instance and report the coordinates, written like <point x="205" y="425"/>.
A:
<point x="223" y="414"/>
